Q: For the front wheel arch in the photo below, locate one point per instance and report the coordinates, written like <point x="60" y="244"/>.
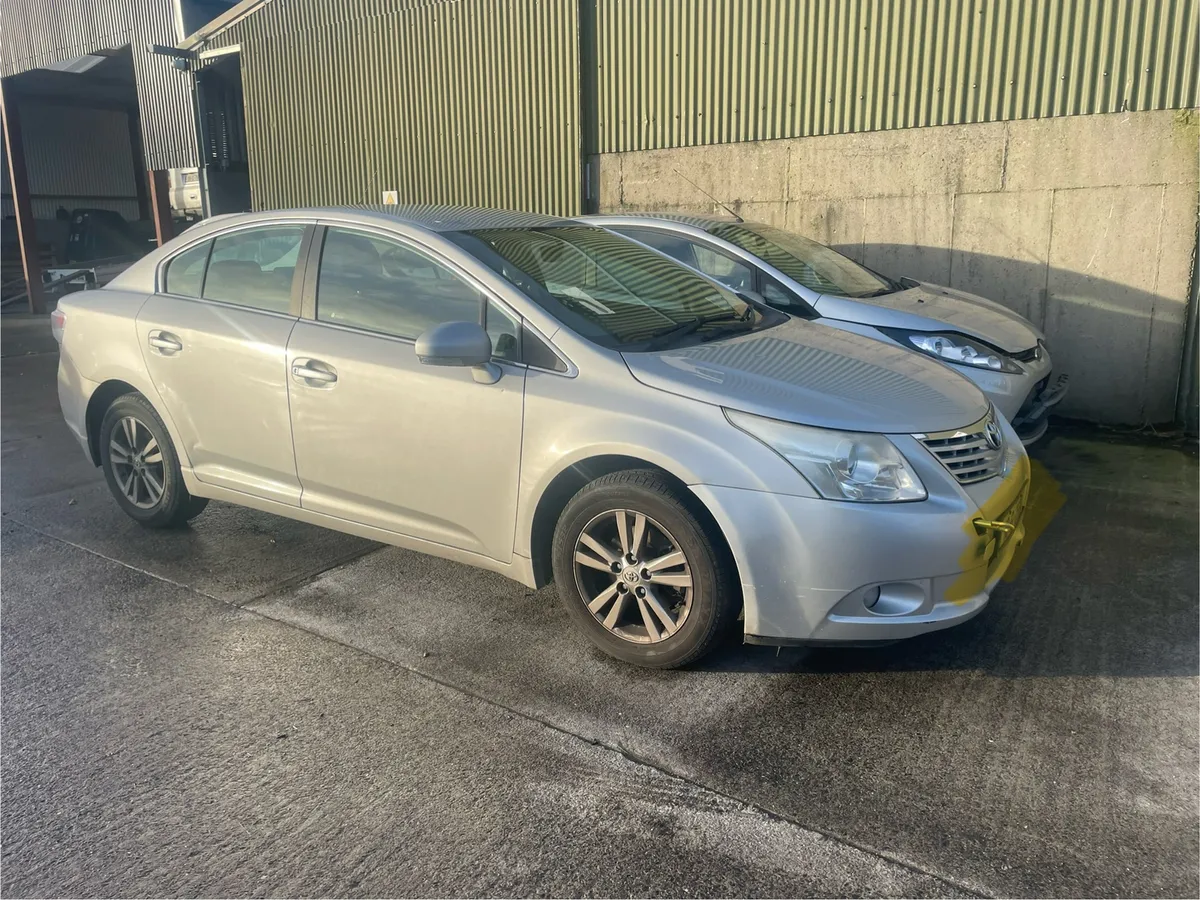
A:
<point x="567" y="483"/>
<point x="662" y="630"/>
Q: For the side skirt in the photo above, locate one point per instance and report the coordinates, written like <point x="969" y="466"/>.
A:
<point x="520" y="569"/>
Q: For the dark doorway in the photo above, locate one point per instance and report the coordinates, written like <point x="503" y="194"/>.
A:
<point x="83" y="170"/>
<point x="222" y="112"/>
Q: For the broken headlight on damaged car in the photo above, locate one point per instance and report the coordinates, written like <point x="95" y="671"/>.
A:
<point x="840" y="465"/>
<point x="956" y="348"/>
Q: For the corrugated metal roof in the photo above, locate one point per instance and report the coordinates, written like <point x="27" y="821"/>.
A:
<point x="471" y="103"/>
<point x="683" y="72"/>
<point x="38" y="32"/>
<point x="210" y="32"/>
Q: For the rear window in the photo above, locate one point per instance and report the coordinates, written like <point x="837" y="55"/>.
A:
<point x="185" y="273"/>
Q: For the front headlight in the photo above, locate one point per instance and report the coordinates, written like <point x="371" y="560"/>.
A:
<point x="841" y="465"/>
<point x="956" y="348"/>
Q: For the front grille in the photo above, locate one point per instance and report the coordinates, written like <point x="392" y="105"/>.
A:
<point x="966" y="451"/>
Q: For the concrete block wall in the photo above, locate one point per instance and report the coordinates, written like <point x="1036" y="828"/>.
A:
<point x="1084" y="224"/>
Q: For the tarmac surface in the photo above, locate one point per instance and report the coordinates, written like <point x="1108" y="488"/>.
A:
<point x="254" y="706"/>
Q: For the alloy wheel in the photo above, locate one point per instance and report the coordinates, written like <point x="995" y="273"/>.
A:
<point x="137" y="463"/>
<point x="634" y="576"/>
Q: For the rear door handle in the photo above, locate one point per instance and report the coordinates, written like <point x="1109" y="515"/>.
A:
<point x="310" y="370"/>
<point x="164" y="341"/>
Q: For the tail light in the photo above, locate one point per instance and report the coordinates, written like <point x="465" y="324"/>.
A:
<point x="58" y="322"/>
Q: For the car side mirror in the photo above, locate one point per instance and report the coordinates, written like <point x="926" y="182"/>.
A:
<point x="459" y="344"/>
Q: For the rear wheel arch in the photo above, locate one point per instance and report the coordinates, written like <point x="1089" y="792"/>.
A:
<point x="140" y="465"/>
<point x="102" y="398"/>
<point x="567" y="483"/>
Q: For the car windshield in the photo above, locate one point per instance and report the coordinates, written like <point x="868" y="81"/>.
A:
<point x="811" y="264"/>
<point x="609" y="289"/>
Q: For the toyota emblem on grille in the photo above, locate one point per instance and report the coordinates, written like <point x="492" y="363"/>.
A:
<point x="991" y="433"/>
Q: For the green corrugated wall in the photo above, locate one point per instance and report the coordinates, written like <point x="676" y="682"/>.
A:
<point x="473" y="102"/>
<point x="478" y="101"/>
<point x="683" y="72"/>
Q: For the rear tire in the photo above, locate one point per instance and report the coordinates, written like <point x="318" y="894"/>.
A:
<point x="663" y="594"/>
<point x="141" y="466"/>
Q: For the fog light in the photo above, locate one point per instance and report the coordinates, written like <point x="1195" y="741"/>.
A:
<point x="870" y="597"/>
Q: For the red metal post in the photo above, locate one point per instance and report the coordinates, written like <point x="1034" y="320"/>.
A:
<point x="139" y="174"/>
<point x="19" y="177"/>
<point x="160" y="205"/>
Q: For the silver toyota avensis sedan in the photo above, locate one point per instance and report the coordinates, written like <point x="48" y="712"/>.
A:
<point x="993" y="346"/>
<point x="551" y="401"/>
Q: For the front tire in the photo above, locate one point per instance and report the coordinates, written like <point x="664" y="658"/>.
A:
<point x="642" y="572"/>
<point x="141" y="466"/>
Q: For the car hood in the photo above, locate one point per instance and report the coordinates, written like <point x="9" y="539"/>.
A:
<point x="814" y="374"/>
<point x="929" y="307"/>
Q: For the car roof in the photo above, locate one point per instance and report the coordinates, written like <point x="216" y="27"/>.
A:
<point x="427" y="216"/>
<point x="696" y="221"/>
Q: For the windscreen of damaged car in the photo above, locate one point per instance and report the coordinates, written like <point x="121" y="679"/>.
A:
<point x="813" y="265"/>
<point x="609" y="289"/>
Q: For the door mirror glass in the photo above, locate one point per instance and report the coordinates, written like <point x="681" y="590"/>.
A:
<point x="455" y="344"/>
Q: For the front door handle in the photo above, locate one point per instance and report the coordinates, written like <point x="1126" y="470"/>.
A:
<point x="164" y="341"/>
<point x="312" y="370"/>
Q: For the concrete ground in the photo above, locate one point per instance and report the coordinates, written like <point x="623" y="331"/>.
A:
<point x="257" y="707"/>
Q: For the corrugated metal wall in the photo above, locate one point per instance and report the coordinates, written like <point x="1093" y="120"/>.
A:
<point x="684" y="72"/>
<point x="69" y="172"/>
<point x="38" y="32"/>
<point x="473" y="102"/>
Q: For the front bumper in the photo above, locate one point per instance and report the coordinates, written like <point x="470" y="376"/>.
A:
<point x="1024" y="398"/>
<point x="811" y="569"/>
<point x="1033" y="418"/>
<point x="1008" y="391"/>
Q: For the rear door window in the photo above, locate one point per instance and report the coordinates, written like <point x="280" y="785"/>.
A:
<point x="254" y="267"/>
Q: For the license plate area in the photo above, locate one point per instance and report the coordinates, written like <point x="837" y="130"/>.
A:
<point x="1013" y="515"/>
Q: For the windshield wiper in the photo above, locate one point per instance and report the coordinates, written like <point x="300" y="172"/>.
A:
<point x="683" y="329"/>
<point x="738" y="327"/>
